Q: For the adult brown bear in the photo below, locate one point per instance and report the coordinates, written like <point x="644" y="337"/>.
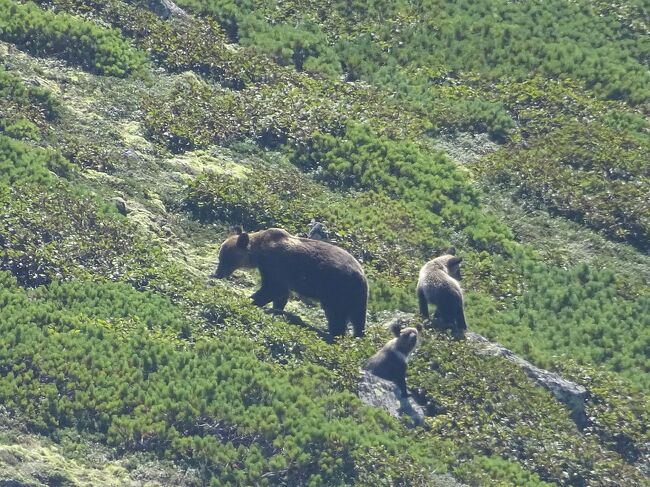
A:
<point x="310" y="267"/>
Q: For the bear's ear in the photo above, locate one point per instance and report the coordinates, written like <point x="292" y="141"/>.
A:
<point x="419" y="327"/>
<point x="455" y="261"/>
<point x="236" y="230"/>
<point x="451" y="250"/>
<point x="242" y="240"/>
<point x="396" y="328"/>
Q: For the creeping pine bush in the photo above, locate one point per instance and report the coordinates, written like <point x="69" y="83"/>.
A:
<point x="20" y="162"/>
<point x="581" y="313"/>
<point x="80" y="42"/>
<point x="24" y="108"/>
<point x="51" y="228"/>
<point x="214" y="406"/>
<point x="360" y="159"/>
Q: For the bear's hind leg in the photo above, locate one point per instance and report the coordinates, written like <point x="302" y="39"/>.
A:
<point x="460" y="323"/>
<point x="281" y="301"/>
<point x="424" y="304"/>
<point x="358" y="319"/>
<point x="336" y="319"/>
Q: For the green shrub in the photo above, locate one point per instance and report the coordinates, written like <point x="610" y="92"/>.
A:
<point x="587" y="172"/>
<point x="24" y="108"/>
<point x="618" y="413"/>
<point x="363" y="160"/>
<point x="375" y="42"/>
<point x="214" y="406"/>
<point x="481" y="411"/>
<point x="20" y="162"/>
<point x="51" y="228"/>
<point x="84" y="43"/>
<point x="580" y="312"/>
<point x="263" y="198"/>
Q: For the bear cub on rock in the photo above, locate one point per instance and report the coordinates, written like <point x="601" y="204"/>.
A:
<point x="312" y="268"/>
<point x="390" y="362"/>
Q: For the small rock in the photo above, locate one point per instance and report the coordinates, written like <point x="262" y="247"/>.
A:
<point x="384" y="394"/>
<point x="317" y="231"/>
<point x="165" y="8"/>
<point x="131" y="154"/>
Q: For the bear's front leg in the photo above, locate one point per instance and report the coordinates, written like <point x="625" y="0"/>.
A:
<point x="263" y="296"/>
<point x="401" y="383"/>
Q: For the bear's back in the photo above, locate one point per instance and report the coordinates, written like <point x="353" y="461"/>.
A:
<point x="435" y="280"/>
<point x="324" y="255"/>
<point x="310" y="267"/>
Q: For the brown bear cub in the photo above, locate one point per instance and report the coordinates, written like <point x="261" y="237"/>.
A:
<point x="390" y="362"/>
<point x="312" y="268"/>
<point x="438" y="284"/>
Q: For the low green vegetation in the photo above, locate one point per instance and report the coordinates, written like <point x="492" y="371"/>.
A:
<point x="111" y="338"/>
<point x="193" y="113"/>
<point x="129" y="378"/>
<point x="382" y="40"/>
<point x="571" y="311"/>
<point x="215" y="406"/>
<point x="52" y="227"/>
<point x="23" y="109"/>
<point x="94" y="48"/>
<point x="401" y="170"/>
<point x="485" y="410"/>
<point x="22" y="163"/>
<point x="570" y="170"/>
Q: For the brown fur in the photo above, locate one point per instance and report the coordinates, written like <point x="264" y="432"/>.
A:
<point x="310" y="267"/>
<point x="438" y="284"/>
<point x="390" y="362"/>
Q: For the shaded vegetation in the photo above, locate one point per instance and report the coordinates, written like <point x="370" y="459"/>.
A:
<point x="570" y="171"/>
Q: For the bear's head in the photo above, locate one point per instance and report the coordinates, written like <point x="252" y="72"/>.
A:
<point x="453" y="267"/>
<point x="234" y="253"/>
<point x="407" y="338"/>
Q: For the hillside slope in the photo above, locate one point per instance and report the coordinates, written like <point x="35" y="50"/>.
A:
<point x="130" y="143"/>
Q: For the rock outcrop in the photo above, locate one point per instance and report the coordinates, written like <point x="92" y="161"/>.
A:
<point x="384" y="394"/>
<point x="166" y="8"/>
<point x="378" y="392"/>
<point x="569" y="393"/>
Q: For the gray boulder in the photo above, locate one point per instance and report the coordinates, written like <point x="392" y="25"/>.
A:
<point x="165" y="8"/>
<point x="384" y="394"/>
<point x="121" y="205"/>
<point x="569" y="393"/>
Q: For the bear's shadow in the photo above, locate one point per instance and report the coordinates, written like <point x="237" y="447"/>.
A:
<point x="294" y="319"/>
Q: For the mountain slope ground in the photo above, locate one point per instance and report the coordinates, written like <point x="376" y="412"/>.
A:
<point x="112" y="330"/>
